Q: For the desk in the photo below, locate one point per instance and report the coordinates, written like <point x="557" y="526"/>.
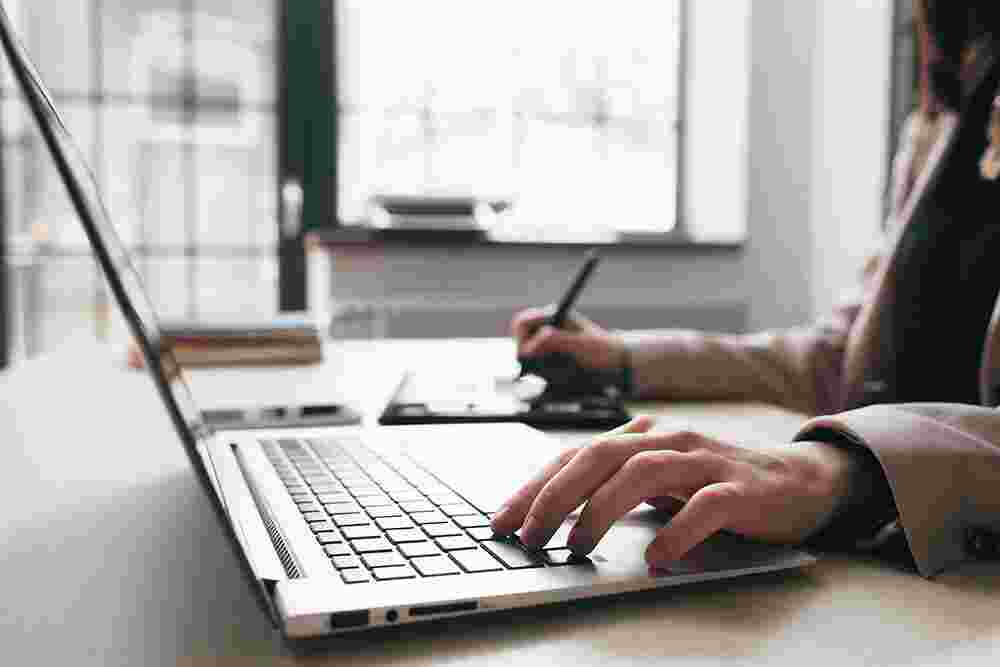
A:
<point x="111" y="554"/>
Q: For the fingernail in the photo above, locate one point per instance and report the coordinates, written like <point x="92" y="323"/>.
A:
<point x="498" y="519"/>
<point x="531" y="533"/>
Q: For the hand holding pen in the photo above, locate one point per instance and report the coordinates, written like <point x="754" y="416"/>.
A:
<point x="539" y="331"/>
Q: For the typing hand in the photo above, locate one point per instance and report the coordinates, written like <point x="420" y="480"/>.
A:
<point x="779" y="494"/>
<point x="591" y="345"/>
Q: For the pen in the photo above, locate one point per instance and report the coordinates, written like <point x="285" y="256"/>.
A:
<point x="568" y="300"/>
<point x="558" y="318"/>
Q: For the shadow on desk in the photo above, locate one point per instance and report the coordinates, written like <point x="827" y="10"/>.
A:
<point x="137" y="576"/>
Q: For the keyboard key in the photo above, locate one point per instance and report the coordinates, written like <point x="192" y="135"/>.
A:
<point x="341" y="508"/>
<point x="340" y="549"/>
<point x="446" y="498"/>
<point x="481" y="533"/>
<point x="476" y="561"/>
<point x="392" y="523"/>
<point x="460" y="509"/>
<point x="371" y="545"/>
<point x="435" y="566"/>
<point x="473" y="521"/>
<point x="328" y="537"/>
<point x="405" y="535"/>
<point x="334" y="498"/>
<point x="416" y="506"/>
<point x="313" y="517"/>
<point x="321" y="527"/>
<point x="354" y="479"/>
<point x="441" y="529"/>
<point x="564" y="557"/>
<point x="383" y="559"/>
<point x="345" y="562"/>
<point x="354" y="576"/>
<point x="362" y="491"/>
<point x="394" y="485"/>
<point x="428" y="517"/>
<point x="319" y="478"/>
<point x="388" y="510"/>
<point x="319" y="489"/>
<point x="351" y="520"/>
<point x="357" y="532"/>
<point x="414" y="549"/>
<point x="512" y="555"/>
<point x="429" y="486"/>
<point x="398" y="572"/>
<point x="406" y="496"/>
<point x="375" y="501"/>
<point x="455" y="543"/>
<point x="309" y="507"/>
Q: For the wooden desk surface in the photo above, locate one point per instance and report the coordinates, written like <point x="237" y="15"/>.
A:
<point x="111" y="554"/>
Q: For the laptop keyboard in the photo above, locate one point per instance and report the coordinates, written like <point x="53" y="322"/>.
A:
<point x="383" y="518"/>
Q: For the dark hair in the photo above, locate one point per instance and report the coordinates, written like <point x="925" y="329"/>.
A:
<point x="946" y="28"/>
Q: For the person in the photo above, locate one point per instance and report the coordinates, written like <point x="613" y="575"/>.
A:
<point x="903" y="444"/>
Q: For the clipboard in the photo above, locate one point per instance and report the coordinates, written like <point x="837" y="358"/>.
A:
<point x="425" y="399"/>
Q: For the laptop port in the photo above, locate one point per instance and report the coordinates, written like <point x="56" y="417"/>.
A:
<point x="450" y="608"/>
<point x="349" y="619"/>
<point x="320" y="410"/>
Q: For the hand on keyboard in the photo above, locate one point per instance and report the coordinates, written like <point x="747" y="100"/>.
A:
<point x="780" y="494"/>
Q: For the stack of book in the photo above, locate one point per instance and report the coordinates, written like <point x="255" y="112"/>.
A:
<point x="278" y="341"/>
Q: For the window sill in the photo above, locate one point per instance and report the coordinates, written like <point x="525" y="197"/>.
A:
<point x="345" y="236"/>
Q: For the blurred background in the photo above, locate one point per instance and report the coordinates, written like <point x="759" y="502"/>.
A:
<point x="195" y="116"/>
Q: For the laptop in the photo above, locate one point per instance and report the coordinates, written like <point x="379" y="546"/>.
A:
<point x="341" y="529"/>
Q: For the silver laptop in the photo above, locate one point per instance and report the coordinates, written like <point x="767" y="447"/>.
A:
<point x="343" y="529"/>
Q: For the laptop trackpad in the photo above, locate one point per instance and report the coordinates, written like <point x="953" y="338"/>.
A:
<point x="484" y="463"/>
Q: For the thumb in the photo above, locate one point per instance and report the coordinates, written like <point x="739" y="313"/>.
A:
<point x="640" y="424"/>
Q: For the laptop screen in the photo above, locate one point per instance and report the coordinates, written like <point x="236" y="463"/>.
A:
<point x="114" y="259"/>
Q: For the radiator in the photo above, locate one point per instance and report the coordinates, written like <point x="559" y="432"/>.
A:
<point x="477" y="320"/>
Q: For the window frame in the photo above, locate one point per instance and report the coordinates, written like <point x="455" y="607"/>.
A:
<point x="335" y="231"/>
<point x="6" y="304"/>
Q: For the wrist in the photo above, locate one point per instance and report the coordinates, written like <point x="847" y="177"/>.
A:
<point x="866" y="504"/>
<point x="827" y="472"/>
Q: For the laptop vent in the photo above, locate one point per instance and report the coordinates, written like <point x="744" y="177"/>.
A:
<point x="280" y="547"/>
<point x="291" y="569"/>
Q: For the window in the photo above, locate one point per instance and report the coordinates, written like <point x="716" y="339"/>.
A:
<point x="174" y="104"/>
<point x="545" y="104"/>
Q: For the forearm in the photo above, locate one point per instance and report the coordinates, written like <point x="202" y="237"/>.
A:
<point x="797" y="369"/>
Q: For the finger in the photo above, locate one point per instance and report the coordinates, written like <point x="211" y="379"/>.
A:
<point x="528" y="321"/>
<point x="549" y="339"/>
<point x="579" y="478"/>
<point x="645" y="475"/>
<point x="511" y="516"/>
<point x="665" y="504"/>
<point x="710" y="510"/>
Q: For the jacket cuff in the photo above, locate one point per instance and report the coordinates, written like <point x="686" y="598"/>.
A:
<point x="926" y="481"/>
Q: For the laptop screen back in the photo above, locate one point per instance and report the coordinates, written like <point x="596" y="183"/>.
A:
<point x="109" y="250"/>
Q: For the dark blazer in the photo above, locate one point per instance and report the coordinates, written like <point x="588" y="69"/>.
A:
<point x="942" y="460"/>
